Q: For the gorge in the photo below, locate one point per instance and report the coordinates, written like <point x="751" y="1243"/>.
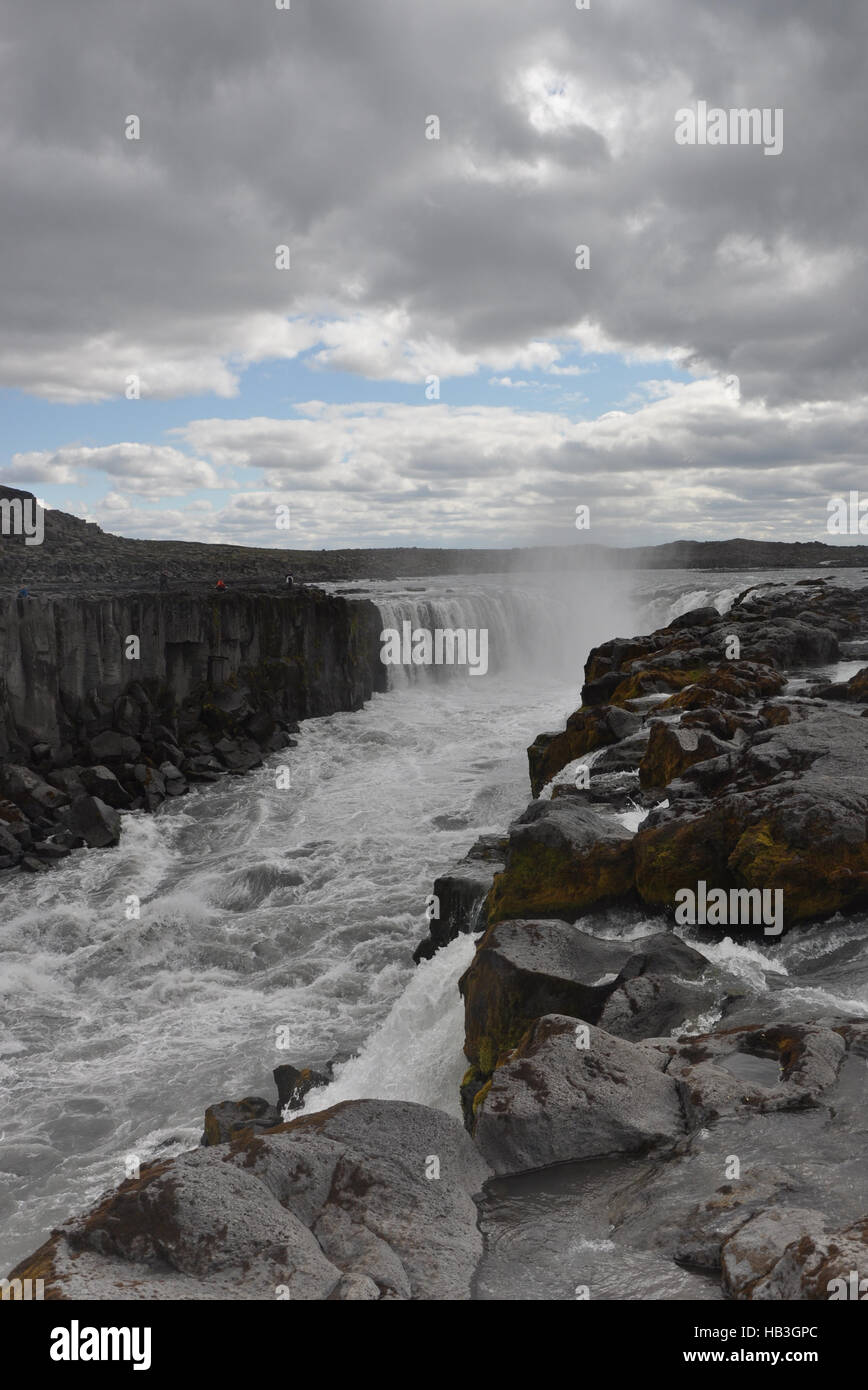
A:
<point x="789" y="1055"/>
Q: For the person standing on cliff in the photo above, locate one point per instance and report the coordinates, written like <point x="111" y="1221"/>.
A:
<point x="289" y="581"/>
<point x="221" y="587"/>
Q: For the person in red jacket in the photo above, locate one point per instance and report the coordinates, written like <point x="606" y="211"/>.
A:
<point x="221" y="586"/>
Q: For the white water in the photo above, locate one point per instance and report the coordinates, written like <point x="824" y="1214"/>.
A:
<point x="297" y="910"/>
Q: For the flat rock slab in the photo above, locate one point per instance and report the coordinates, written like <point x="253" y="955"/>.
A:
<point x="751" y="1255"/>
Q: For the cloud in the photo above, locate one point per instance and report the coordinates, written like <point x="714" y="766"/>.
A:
<point x="688" y="459"/>
<point x="411" y="256"/>
<point x="147" y="470"/>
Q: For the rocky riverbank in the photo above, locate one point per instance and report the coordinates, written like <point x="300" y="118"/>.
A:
<point x="748" y="790"/>
<point x="748" y="1131"/>
<point x="114" y="704"/>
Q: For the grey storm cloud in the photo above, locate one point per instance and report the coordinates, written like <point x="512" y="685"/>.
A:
<point x="307" y="127"/>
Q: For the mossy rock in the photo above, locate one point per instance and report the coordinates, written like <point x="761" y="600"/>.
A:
<point x="678" y="854"/>
<point x="541" y="881"/>
<point x="586" y="731"/>
<point x="815" y="881"/>
<point x="673" y="749"/>
<point x="654" y="681"/>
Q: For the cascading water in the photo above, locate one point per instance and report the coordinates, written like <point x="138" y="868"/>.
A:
<point x="524" y="627"/>
<point x="274" y="916"/>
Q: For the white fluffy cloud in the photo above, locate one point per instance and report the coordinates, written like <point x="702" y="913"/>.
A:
<point x="145" y="470"/>
<point x="692" y="459"/>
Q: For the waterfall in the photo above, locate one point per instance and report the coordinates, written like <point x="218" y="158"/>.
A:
<point x="540" y="627"/>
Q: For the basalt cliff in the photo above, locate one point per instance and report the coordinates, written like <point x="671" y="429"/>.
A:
<point x="111" y="703"/>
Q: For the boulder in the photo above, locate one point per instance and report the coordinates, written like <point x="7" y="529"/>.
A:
<point x="167" y="751"/>
<point x="556" y="1101"/>
<point x="112" y="747"/>
<point x="788" y="1254"/>
<point x="293" y="1084"/>
<point x="51" y="851"/>
<point x="855" y="689"/>
<point x="696" y="618"/>
<point x="101" y="782"/>
<point x="524" y="969"/>
<point x="29" y="792"/>
<point x="68" y="780"/>
<point x="93" y="822"/>
<point x="563" y="858"/>
<point x="174" y="779"/>
<point x="625" y="756"/>
<point x="32" y="864"/>
<point x="202" y="768"/>
<point x="459" y="895"/>
<point x="229" y="1118"/>
<point x="10" y="849"/>
<point x="652" y="1005"/>
<point x="672" y="749"/>
<point x="750" y="1256"/>
<point x="587" y="729"/>
<point x="368" y="1193"/>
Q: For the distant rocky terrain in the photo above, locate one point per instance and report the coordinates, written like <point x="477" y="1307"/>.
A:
<point x="79" y="553"/>
<point x="576" y="1043"/>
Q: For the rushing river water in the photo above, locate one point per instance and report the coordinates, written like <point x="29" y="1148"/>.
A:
<point x="288" y="915"/>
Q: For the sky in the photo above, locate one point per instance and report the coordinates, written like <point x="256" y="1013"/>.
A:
<point x="337" y="269"/>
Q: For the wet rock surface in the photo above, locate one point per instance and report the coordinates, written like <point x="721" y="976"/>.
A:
<point x="754" y="1170"/>
<point x="563" y="858"/>
<point x="525" y="969"/>
<point x="459" y="895"/>
<point x="755" y="790"/>
<point x="344" y="1204"/>
<point x="564" y="1095"/>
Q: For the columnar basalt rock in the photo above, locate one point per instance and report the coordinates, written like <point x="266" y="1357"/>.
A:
<point x="125" y="701"/>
